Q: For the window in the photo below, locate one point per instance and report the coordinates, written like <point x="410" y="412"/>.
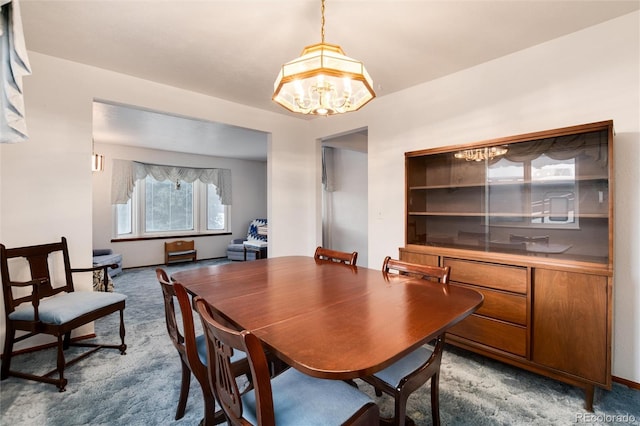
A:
<point x="123" y="218"/>
<point x="536" y="193"/>
<point x="216" y="211"/>
<point x="168" y="205"/>
<point x="171" y="207"/>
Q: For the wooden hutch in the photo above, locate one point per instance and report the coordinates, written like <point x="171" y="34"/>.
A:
<point x="528" y="222"/>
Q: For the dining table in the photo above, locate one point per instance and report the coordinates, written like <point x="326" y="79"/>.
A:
<point x="330" y="320"/>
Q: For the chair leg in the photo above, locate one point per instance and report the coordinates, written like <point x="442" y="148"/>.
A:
<point x="8" y="349"/>
<point x="67" y="341"/>
<point x="123" y="347"/>
<point x="62" y="382"/>
<point x="400" y="409"/>
<point x="184" y="390"/>
<point x="435" y="399"/>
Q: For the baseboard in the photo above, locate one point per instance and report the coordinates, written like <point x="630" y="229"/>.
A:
<point x="627" y="383"/>
<point x="49" y="345"/>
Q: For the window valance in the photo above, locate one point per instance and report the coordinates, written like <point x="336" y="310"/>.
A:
<point x="14" y="64"/>
<point x="126" y="173"/>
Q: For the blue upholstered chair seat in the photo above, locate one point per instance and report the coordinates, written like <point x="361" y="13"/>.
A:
<point x="401" y="368"/>
<point x="65" y="307"/>
<point x="201" y="345"/>
<point x="299" y="399"/>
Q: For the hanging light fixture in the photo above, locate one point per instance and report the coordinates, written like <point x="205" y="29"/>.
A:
<point x="323" y="81"/>
<point x="481" y="154"/>
<point x="97" y="160"/>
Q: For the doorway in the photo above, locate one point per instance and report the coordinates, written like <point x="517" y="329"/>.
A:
<point x="345" y="194"/>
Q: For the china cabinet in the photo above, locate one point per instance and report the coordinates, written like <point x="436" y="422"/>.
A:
<point x="527" y="221"/>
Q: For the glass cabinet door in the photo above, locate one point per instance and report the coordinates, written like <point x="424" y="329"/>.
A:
<point x="542" y="197"/>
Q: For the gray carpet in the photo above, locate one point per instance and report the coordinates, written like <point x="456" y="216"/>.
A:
<point x="141" y="388"/>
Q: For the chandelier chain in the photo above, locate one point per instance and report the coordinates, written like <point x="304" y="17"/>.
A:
<point x="322" y="26"/>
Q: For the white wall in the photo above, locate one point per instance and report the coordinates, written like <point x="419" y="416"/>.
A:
<point x="46" y="183"/>
<point x="588" y="76"/>
<point x="249" y="186"/>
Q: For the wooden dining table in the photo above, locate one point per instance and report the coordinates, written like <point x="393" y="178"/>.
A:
<point x="330" y="320"/>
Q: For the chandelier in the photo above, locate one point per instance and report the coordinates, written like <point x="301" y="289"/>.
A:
<point x="323" y="81"/>
<point x="481" y="154"/>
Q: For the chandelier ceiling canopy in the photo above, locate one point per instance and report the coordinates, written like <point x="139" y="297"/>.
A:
<point x="323" y="81"/>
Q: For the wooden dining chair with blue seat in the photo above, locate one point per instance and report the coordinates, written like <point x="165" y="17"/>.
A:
<point x="48" y="303"/>
<point x="405" y="376"/>
<point x="336" y="256"/>
<point x="192" y="349"/>
<point x="290" y="398"/>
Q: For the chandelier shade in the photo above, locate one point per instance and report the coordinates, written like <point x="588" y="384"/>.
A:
<point x="323" y="81"/>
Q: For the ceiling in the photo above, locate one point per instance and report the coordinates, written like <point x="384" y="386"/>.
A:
<point x="233" y="49"/>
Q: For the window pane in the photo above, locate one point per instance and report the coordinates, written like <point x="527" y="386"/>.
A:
<point x="556" y="205"/>
<point x="124" y="218"/>
<point x="168" y="205"/>
<point x="506" y="192"/>
<point x="215" y="210"/>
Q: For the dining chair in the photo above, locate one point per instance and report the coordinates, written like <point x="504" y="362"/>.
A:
<point x="403" y="377"/>
<point x="336" y="256"/>
<point x="290" y="398"/>
<point x="192" y="349"/>
<point x="48" y="304"/>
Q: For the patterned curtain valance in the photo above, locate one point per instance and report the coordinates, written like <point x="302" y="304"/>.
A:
<point x="126" y="173"/>
<point x="14" y="64"/>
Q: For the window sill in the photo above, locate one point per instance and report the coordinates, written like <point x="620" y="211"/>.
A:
<point x="166" y="237"/>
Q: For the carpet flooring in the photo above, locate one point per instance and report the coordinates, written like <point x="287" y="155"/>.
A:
<point x="141" y="387"/>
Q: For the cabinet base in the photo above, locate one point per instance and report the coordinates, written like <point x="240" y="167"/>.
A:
<point x="515" y="361"/>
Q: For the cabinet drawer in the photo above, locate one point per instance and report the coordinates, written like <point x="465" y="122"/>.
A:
<point x="419" y="258"/>
<point x="501" y="277"/>
<point x="500" y="305"/>
<point x="494" y="333"/>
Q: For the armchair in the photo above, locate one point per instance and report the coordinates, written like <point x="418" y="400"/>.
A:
<point x="50" y="309"/>
<point x="108" y="257"/>
<point x="256" y="238"/>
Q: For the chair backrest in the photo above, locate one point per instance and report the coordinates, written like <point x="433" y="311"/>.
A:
<point x="179" y="246"/>
<point x="38" y="258"/>
<point x="336" y="256"/>
<point x="257" y="230"/>
<point x="184" y="343"/>
<point x="433" y="273"/>
<point x="168" y="295"/>
<point x="221" y="342"/>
